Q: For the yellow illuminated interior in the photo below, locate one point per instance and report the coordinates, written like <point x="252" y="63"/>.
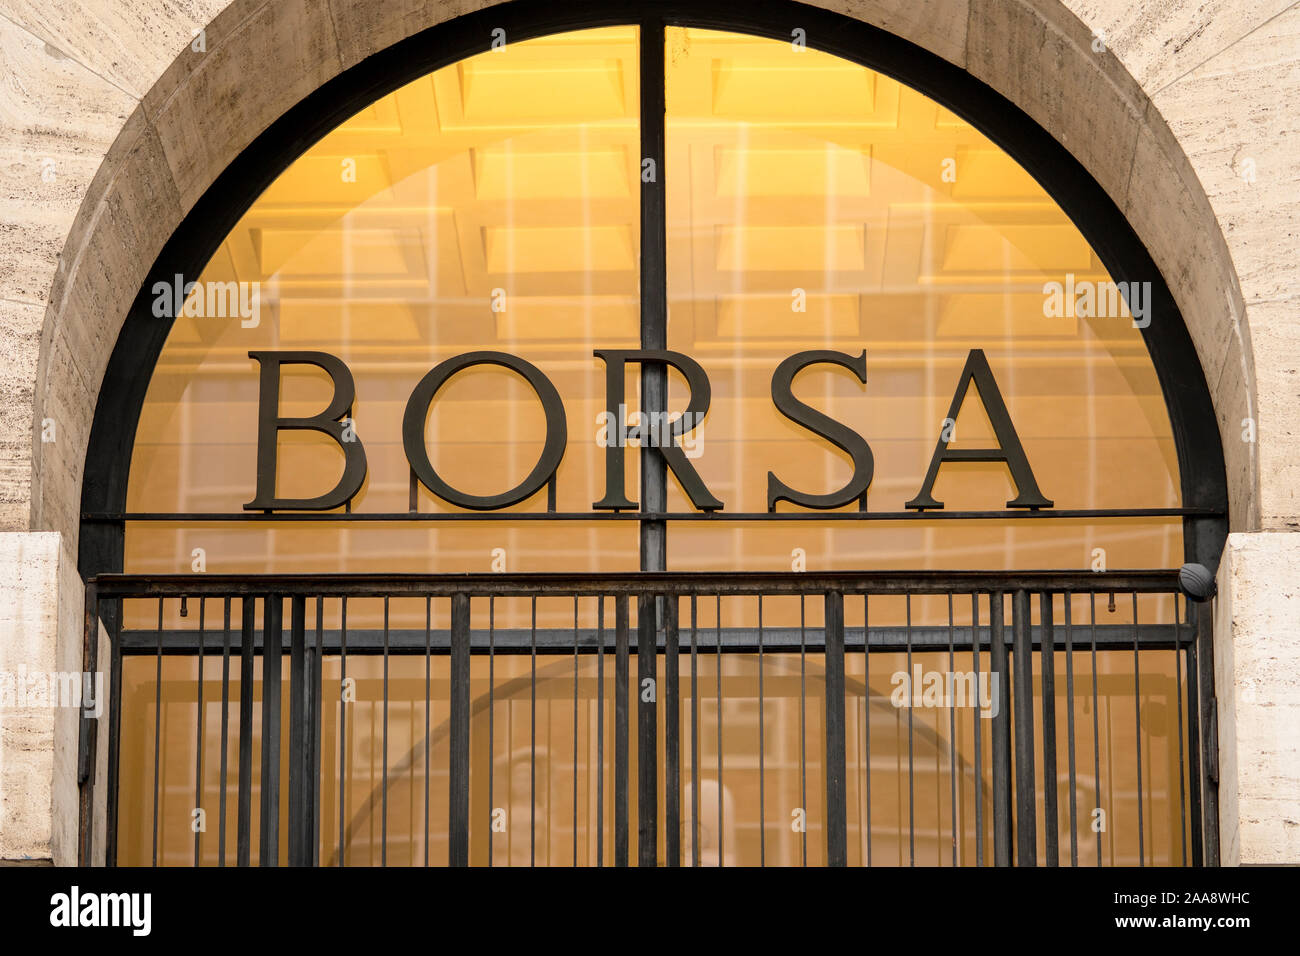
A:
<point x="491" y="205"/>
<point x="494" y="205"/>
<point x="817" y="204"/>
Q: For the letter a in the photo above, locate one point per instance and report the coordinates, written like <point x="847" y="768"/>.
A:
<point x="1008" y="451"/>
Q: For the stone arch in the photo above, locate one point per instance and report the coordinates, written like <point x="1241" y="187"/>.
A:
<point x="209" y="105"/>
<point x="1112" y="83"/>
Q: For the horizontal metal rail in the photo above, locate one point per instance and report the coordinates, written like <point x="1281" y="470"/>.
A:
<point x="741" y="640"/>
<point x="1022" y="514"/>
<point x="608" y="584"/>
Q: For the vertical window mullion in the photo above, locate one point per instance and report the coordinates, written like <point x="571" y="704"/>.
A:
<point x="654" y="286"/>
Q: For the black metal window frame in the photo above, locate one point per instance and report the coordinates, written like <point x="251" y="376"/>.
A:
<point x="1204" y="506"/>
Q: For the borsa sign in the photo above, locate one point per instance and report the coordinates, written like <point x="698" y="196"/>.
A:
<point x="662" y="437"/>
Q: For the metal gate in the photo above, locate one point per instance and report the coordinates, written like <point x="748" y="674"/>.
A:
<point x="957" y="718"/>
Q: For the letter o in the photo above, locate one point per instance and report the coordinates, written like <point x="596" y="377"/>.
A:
<point x="417" y="411"/>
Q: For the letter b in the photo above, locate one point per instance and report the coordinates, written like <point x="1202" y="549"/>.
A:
<point x="270" y="424"/>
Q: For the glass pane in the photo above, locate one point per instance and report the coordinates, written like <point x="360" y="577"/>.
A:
<point x="490" y="205"/>
<point x="816" y="204"/>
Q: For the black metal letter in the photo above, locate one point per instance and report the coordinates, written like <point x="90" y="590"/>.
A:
<point x="270" y="424"/>
<point x="417" y="411"/>
<point x="1009" y="449"/>
<point x="841" y="436"/>
<point x="663" y="439"/>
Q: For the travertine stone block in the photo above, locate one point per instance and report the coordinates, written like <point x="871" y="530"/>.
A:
<point x="1257" y="686"/>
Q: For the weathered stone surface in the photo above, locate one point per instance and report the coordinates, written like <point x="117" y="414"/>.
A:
<point x="1235" y="119"/>
<point x="1235" y="411"/>
<point x="68" y="408"/>
<point x="29" y="611"/>
<point x="122" y="213"/>
<point x="20" y="337"/>
<point x="1159" y="41"/>
<point x="64" y="792"/>
<point x="57" y="120"/>
<point x="1164" y="204"/>
<point x="1257" y="683"/>
<point x="1275" y="331"/>
<point x="128" y="44"/>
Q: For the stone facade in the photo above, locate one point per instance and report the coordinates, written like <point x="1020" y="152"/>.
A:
<point x="116" y="115"/>
<point x="1257" y="682"/>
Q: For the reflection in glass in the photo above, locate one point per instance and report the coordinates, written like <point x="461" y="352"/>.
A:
<point x="817" y="204"/>
<point x="490" y="205"/>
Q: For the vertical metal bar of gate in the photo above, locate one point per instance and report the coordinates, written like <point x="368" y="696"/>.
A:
<point x="1193" y="738"/>
<point x="621" y="668"/>
<point x="458" y="797"/>
<point x="243" y="846"/>
<point x="115" y="730"/>
<point x="1071" y="762"/>
<point x="647" y="798"/>
<point x="297" y="737"/>
<point x="600" y="730"/>
<point x="272" y="645"/>
<point x="1000" y="675"/>
<point x="88" y="726"/>
<point x="1023" y="693"/>
<point x="695" y="735"/>
<point x="314" y="657"/>
<point x="836" y="785"/>
<point x="672" y="738"/>
<point x="302" y="734"/>
<point x="1209" y="731"/>
<point x="1046" y="646"/>
<point x="157" y="733"/>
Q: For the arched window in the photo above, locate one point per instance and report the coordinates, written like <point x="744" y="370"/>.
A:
<point x="811" y="204"/>
<point x="449" y="337"/>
